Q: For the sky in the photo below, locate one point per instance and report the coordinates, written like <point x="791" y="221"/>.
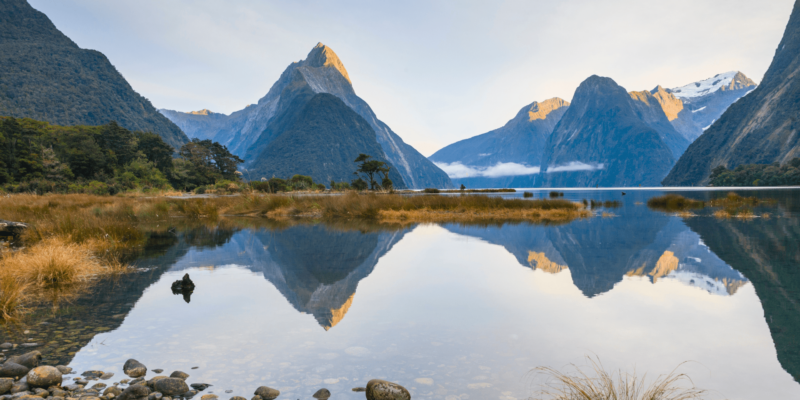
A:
<point x="435" y="71"/>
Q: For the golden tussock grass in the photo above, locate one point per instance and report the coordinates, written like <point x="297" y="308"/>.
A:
<point x="599" y="384"/>
<point x="685" y="214"/>
<point x="672" y="202"/>
<point x="722" y="214"/>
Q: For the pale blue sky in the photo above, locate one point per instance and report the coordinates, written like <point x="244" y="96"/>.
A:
<point x="435" y="71"/>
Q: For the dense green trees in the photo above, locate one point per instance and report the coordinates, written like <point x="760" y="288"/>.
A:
<point x="371" y="169"/>
<point x="37" y="156"/>
<point x="773" y="174"/>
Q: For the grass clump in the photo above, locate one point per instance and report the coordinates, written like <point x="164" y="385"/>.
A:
<point x="527" y="195"/>
<point x="672" y="202"/>
<point x="599" y="384"/>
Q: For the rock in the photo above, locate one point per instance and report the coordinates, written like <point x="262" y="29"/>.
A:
<point x="30" y="360"/>
<point x="134" y="368"/>
<point x="20" y="386"/>
<point x="134" y="392"/>
<point x="171" y="386"/>
<point x="189" y="394"/>
<point x="256" y="397"/>
<point x="107" y="375"/>
<point x="136" y="381"/>
<point x="41" y="392"/>
<point x="99" y="386"/>
<point x="322" y="394"/>
<point x="92" y="374"/>
<point x="378" y="389"/>
<point x="82" y="382"/>
<point x="166" y="398"/>
<point x="5" y="385"/>
<point x="64" y="369"/>
<point x="200" y="386"/>
<point x="209" y="397"/>
<point x="359" y="389"/>
<point x="13" y="370"/>
<point x="267" y="393"/>
<point x="72" y="388"/>
<point x="158" y="371"/>
<point x="112" y="390"/>
<point x="185" y="287"/>
<point x="6" y="345"/>
<point x="155" y="396"/>
<point x="57" y="398"/>
<point x="179" y="374"/>
<point x="125" y="381"/>
<point x="154" y="379"/>
<point x="89" y="397"/>
<point x="56" y="392"/>
<point x="237" y="398"/>
<point x="44" y="377"/>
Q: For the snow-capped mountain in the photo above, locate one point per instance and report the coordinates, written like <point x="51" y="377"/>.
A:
<point x="733" y="80"/>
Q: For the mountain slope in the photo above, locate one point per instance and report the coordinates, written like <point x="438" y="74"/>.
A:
<point x="321" y="141"/>
<point x="760" y="128"/>
<point x="649" y="109"/>
<point x="45" y="76"/>
<point x="321" y="72"/>
<point x="601" y="140"/>
<point x="195" y="124"/>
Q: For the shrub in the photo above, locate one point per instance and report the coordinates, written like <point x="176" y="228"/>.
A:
<point x="430" y="190"/>
<point x="527" y="194"/>
<point x="672" y="202"/>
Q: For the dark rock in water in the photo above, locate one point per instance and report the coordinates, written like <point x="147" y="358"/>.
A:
<point x="134" y="392"/>
<point x="64" y="369"/>
<point x="93" y="374"/>
<point x="171" y="386"/>
<point x="378" y="389"/>
<point x="5" y="385"/>
<point x="6" y="345"/>
<point x="179" y="375"/>
<point x="44" y="377"/>
<point x="99" y="386"/>
<point x="82" y="382"/>
<point x="90" y="398"/>
<point x="237" y="398"/>
<point x="200" y="386"/>
<point x="158" y="371"/>
<point x="359" y="389"/>
<point x="209" y="397"/>
<point x="30" y="360"/>
<point x="256" y="397"/>
<point x="195" y="367"/>
<point x="112" y="390"/>
<point x="107" y="375"/>
<point x="72" y="388"/>
<point x="153" y="380"/>
<point x="55" y="392"/>
<point x="12" y="370"/>
<point x="267" y="393"/>
<point x="20" y="386"/>
<point x="322" y="394"/>
<point x="184" y="286"/>
<point x="134" y="368"/>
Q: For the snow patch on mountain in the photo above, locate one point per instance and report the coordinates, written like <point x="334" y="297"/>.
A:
<point x="704" y="87"/>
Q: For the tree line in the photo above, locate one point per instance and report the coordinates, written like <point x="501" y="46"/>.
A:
<point x="773" y="174"/>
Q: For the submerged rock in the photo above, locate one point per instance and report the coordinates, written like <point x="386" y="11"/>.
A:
<point x="179" y="375"/>
<point x="267" y="393"/>
<point x="171" y="386"/>
<point x="378" y="389"/>
<point x="134" y="368"/>
<point x="359" y="389"/>
<point x="185" y="287"/>
<point x="44" y="377"/>
<point x="92" y="374"/>
<point x="322" y="394"/>
<point x="200" y="386"/>
<point x="30" y="360"/>
<point x="107" y="375"/>
<point x="13" y="370"/>
<point x="64" y="369"/>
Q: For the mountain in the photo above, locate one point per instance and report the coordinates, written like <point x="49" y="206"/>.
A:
<point x="650" y="110"/>
<point x="195" y="124"/>
<point x="760" y="128"/>
<point x="45" y="76"/>
<point x="247" y="132"/>
<point x="605" y="138"/>
<point x="520" y="141"/>
<point x="321" y="141"/>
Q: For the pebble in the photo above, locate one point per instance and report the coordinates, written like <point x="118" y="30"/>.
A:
<point x="134" y="368"/>
<point x="179" y="375"/>
<point x="6" y="346"/>
<point x="359" y="389"/>
<point x="107" y="375"/>
<point x="200" y="386"/>
<point x="378" y="389"/>
<point x="322" y="394"/>
<point x="209" y="397"/>
<point x="267" y="393"/>
<point x="158" y="371"/>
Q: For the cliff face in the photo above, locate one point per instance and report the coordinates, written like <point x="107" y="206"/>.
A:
<point x="321" y="72"/>
<point x="604" y="139"/>
<point x="760" y="128"/>
<point x="45" y="76"/>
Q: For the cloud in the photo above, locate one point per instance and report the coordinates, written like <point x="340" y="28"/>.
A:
<point x="459" y="170"/>
<point x="575" y="166"/>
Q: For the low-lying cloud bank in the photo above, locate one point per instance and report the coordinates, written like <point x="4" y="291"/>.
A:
<point x="459" y="170"/>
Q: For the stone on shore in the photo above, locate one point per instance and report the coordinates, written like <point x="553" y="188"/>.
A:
<point x="378" y="389"/>
<point x="179" y="374"/>
<point x="5" y="385"/>
<point x="359" y="389"/>
<point x="267" y="393"/>
<point x="322" y="394"/>
<point x="256" y="397"/>
<point x="13" y="370"/>
<point x="209" y="397"/>
<point x="30" y="359"/>
<point x="107" y="375"/>
<point x="19" y="386"/>
<point x="134" y="369"/>
<point x="112" y="390"/>
<point x="200" y="386"/>
<point x="44" y="377"/>
<point x="92" y="374"/>
<point x="134" y="392"/>
<point x="237" y="398"/>
<point x="64" y="369"/>
<point x="171" y="386"/>
<point x="153" y="380"/>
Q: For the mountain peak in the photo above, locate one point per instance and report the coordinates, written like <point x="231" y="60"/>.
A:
<point x="204" y="111"/>
<point x="732" y="80"/>
<point x="323" y="56"/>
<point x="539" y="110"/>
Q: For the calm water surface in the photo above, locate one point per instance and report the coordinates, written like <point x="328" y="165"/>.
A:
<point x="466" y="312"/>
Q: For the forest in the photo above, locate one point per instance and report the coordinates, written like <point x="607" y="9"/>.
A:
<point x="773" y="174"/>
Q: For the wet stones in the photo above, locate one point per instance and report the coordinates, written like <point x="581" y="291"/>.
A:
<point x="158" y="371"/>
<point x="237" y="398"/>
<point x="179" y="375"/>
<point x="64" y="369"/>
<point x="200" y="386"/>
<point x="322" y="394"/>
<point x="134" y="369"/>
<point x="99" y="386"/>
<point x="5" y="385"/>
<point x="92" y="374"/>
<point x="359" y="389"/>
<point x="267" y="393"/>
<point x="209" y="397"/>
<point x="30" y="360"/>
<point x="6" y="346"/>
<point x="134" y="392"/>
<point x="106" y="376"/>
<point x="20" y="386"/>
<point x="171" y="386"/>
<point x="44" y="377"/>
<point x="153" y="380"/>
<point x="185" y="287"/>
<point x="378" y="389"/>
<point x="13" y="370"/>
<point x="112" y="390"/>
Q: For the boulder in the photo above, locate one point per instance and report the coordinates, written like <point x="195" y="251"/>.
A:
<point x="58" y="393"/>
<point x="378" y="389"/>
<point x="267" y="393"/>
<point x="5" y="385"/>
<point x="171" y="386"/>
<point x="112" y="390"/>
<point x="30" y="359"/>
<point x="134" y="392"/>
<point x="13" y="370"/>
<point x="19" y="386"/>
<point x="134" y="369"/>
<point x="155" y="379"/>
<point x="322" y="394"/>
<point x="179" y="375"/>
<point x="44" y="377"/>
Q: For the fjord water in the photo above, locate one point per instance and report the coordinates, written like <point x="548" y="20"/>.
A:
<point x="466" y="312"/>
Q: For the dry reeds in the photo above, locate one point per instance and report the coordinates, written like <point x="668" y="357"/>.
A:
<point x="599" y="384"/>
